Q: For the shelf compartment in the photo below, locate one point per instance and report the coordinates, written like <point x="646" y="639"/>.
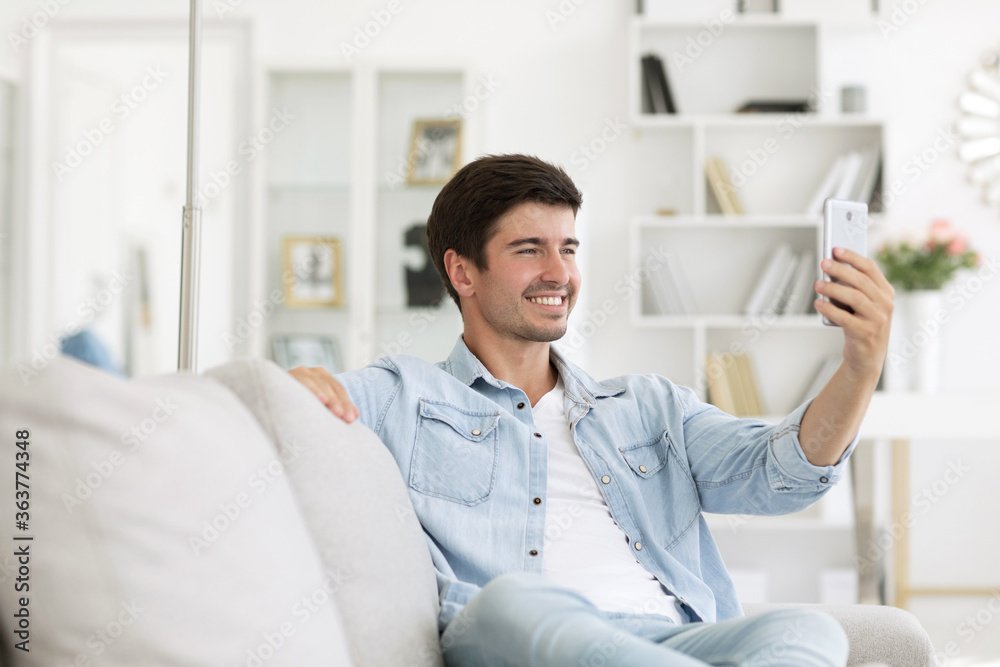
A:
<point x="752" y="58"/>
<point x="777" y="172"/>
<point x="802" y="351"/>
<point x="720" y="265"/>
<point x="663" y="183"/>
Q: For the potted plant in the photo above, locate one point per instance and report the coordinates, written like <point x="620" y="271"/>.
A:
<point x="919" y="267"/>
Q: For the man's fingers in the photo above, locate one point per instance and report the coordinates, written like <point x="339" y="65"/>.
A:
<point x="326" y="388"/>
<point x="864" y="265"/>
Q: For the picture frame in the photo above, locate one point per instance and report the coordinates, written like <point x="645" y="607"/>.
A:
<point x="293" y="350"/>
<point x="435" y="151"/>
<point x="312" y="272"/>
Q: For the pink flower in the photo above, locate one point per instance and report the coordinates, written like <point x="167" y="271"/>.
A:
<point x="942" y="231"/>
<point x="958" y="245"/>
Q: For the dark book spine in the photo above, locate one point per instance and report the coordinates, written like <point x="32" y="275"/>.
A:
<point x="661" y="75"/>
<point x="647" y="91"/>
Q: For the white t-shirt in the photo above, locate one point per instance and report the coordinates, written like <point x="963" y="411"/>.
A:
<point x="584" y="549"/>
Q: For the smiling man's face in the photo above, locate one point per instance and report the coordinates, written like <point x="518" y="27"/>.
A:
<point x="532" y="280"/>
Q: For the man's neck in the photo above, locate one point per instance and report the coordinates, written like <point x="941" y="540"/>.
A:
<point x="523" y="364"/>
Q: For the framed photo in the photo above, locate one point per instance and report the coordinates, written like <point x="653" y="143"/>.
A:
<point x="312" y="272"/>
<point x="294" y="350"/>
<point x="435" y="151"/>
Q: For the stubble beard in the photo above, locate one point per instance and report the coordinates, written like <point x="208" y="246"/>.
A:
<point x="511" y="321"/>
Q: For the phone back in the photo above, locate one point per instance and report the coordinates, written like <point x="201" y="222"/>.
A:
<point x="845" y="225"/>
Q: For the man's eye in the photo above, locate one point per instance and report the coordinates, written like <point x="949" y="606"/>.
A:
<point x="526" y="251"/>
<point x="569" y="251"/>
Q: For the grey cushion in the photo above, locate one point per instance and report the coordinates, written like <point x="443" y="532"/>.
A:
<point x="356" y="505"/>
<point x="877" y="634"/>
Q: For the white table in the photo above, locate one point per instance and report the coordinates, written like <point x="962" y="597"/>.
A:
<point x="900" y="417"/>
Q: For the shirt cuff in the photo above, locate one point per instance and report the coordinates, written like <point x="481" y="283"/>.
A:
<point x="790" y="469"/>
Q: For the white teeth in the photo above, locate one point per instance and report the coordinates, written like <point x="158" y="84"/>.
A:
<point x="546" y="300"/>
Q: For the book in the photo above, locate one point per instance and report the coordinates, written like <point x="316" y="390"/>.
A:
<point x="732" y="385"/>
<point x="853" y="176"/>
<point x="682" y="288"/>
<point x="852" y="167"/>
<point x="663" y="298"/>
<point x="864" y="185"/>
<point x="774" y="106"/>
<point x="722" y="186"/>
<point x="661" y="99"/>
<point x="828" y="187"/>
<point x="800" y="297"/>
<point x="719" y="391"/>
<point x="769" y="279"/>
<point x="751" y="391"/>
<point x="648" y="105"/>
<point x="741" y="401"/>
<point x="779" y="297"/>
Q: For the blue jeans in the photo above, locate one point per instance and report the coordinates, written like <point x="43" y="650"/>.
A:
<point x="524" y="620"/>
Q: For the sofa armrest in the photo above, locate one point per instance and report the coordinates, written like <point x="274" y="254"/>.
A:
<point x="877" y="634"/>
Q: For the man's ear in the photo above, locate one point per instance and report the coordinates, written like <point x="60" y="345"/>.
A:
<point x="461" y="272"/>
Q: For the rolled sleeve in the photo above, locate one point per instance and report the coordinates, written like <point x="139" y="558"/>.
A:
<point x="788" y="467"/>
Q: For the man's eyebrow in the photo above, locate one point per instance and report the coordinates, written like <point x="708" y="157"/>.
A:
<point x="534" y="240"/>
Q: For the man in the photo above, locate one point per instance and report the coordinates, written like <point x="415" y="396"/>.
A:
<point x="563" y="514"/>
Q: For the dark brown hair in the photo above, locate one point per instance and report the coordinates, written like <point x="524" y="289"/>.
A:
<point x="467" y="209"/>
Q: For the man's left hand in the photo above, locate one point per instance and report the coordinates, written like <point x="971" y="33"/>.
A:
<point x="866" y="332"/>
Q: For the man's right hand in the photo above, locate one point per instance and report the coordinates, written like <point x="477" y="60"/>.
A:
<point x="330" y="392"/>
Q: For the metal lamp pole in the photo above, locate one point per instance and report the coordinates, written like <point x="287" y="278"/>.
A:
<point x="187" y="352"/>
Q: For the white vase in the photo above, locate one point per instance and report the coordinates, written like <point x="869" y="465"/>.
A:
<point x="896" y="373"/>
<point x="916" y="342"/>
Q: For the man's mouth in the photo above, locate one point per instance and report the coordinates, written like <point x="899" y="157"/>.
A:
<point x="547" y="300"/>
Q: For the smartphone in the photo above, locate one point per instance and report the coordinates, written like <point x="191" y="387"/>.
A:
<point x="845" y="225"/>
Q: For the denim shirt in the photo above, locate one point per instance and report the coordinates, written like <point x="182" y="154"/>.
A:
<point x="475" y="468"/>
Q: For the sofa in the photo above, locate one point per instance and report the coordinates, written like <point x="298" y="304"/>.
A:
<point x="228" y="519"/>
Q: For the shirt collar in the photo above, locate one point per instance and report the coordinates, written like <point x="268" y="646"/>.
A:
<point x="580" y="387"/>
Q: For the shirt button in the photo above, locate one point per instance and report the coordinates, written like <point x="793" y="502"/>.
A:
<point x="533" y="552"/>
<point x="642" y="468"/>
<point x="476" y="431"/>
<point x="520" y="406"/>
<point x="538" y="435"/>
<point x="638" y="546"/>
<point x="824" y="480"/>
<point x="606" y="479"/>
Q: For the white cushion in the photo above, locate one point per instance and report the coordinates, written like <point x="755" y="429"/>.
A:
<point x="165" y="532"/>
<point x="356" y="504"/>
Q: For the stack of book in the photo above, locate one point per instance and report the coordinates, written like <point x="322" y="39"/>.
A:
<point x="732" y="385"/>
<point x="786" y="285"/>
<point x="671" y="291"/>
<point x="656" y="95"/>
<point x="721" y="185"/>
<point x="853" y="176"/>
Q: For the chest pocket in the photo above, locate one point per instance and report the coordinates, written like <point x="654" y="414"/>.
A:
<point x="455" y="453"/>
<point x="661" y="476"/>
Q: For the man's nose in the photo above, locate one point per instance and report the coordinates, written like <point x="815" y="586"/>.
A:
<point x="556" y="269"/>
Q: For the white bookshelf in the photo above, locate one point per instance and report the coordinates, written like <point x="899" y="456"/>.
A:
<point x="325" y="175"/>
<point x="722" y="256"/>
<point x="782" y="159"/>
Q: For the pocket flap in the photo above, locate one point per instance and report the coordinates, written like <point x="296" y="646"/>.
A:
<point x="646" y="459"/>
<point x="474" y="426"/>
